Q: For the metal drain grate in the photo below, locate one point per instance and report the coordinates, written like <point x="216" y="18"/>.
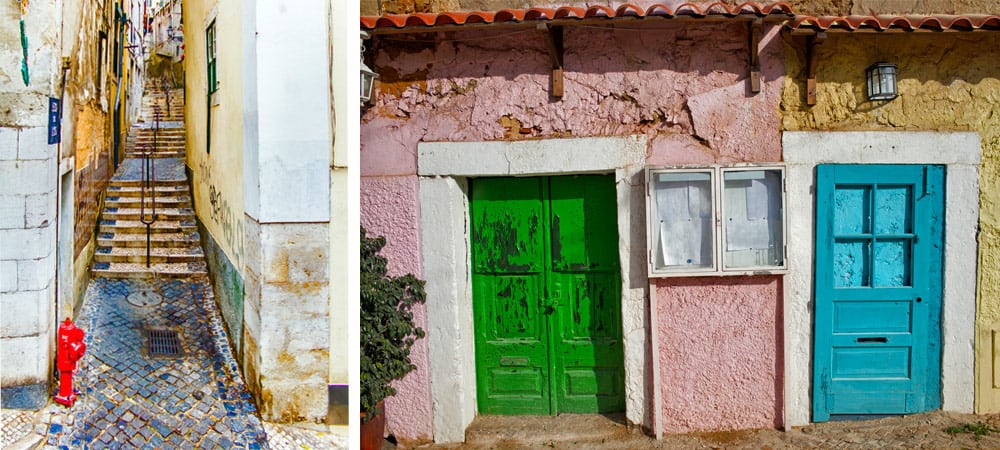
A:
<point x="165" y="343"/>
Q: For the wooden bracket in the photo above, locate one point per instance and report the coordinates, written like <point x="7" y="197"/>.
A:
<point x="756" y="28"/>
<point x="554" y="42"/>
<point x="811" y="66"/>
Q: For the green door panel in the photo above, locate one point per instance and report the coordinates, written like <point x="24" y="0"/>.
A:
<point x="546" y="295"/>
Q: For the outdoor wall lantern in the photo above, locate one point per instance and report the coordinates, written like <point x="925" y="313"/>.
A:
<point x="881" y="81"/>
<point x="367" y="75"/>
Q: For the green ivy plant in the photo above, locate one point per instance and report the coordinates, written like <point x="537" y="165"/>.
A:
<point x="387" y="328"/>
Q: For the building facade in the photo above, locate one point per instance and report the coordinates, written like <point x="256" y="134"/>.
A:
<point x="68" y="106"/>
<point x="697" y="218"/>
<point x="266" y="174"/>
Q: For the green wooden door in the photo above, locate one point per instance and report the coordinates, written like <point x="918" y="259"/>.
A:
<point x="547" y="295"/>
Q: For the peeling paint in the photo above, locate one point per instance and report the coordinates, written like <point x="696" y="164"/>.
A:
<point x="683" y="87"/>
<point x="946" y="83"/>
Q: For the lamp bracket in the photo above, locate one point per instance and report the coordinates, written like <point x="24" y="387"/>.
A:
<point x="812" y="65"/>
<point x="755" y="29"/>
<point x="554" y="42"/>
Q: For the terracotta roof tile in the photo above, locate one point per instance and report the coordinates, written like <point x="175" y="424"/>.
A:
<point x="904" y="23"/>
<point x="717" y="9"/>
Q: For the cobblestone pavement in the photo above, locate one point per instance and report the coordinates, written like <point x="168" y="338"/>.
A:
<point x="134" y="395"/>
<point x="130" y="397"/>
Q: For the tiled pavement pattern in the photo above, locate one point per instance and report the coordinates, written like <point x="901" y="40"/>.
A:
<point x="291" y="437"/>
<point x="130" y="399"/>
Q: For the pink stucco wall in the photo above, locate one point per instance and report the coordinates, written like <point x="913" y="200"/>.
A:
<point x="682" y="85"/>
<point x="720" y="346"/>
<point x="389" y="208"/>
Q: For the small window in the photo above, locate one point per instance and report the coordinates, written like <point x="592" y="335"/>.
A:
<point x="715" y="220"/>
<point x="213" y="81"/>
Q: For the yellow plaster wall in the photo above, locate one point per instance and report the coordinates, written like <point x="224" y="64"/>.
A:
<point x="217" y="175"/>
<point x="948" y="82"/>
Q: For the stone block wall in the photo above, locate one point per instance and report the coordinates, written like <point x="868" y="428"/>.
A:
<point x="27" y="264"/>
<point x="286" y="319"/>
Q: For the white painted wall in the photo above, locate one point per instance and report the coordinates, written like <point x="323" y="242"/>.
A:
<point x="802" y="152"/>
<point x="293" y="111"/>
<point x="443" y="168"/>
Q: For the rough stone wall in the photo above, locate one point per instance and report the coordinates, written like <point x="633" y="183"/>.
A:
<point x="947" y="83"/>
<point x="293" y="301"/>
<point x="28" y="167"/>
<point x="683" y="87"/>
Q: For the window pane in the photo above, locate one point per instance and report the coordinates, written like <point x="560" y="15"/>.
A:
<point x="683" y="225"/>
<point x="893" y="206"/>
<point x="851" y="263"/>
<point x="752" y="219"/>
<point x="892" y="263"/>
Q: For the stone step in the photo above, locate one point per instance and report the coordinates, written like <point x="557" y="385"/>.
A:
<point x="159" y="240"/>
<point x="156" y="254"/>
<point x="136" y="191"/>
<point x="157" y="270"/>
<point x="110" y="228"/>
<point x="169" y="214"/>
<point x="119" y="184"/>
<point x="166" y="201"/>
<point x="165" y="154"/>
<point x="147" y="138"/>
<point x="151" y="149"/>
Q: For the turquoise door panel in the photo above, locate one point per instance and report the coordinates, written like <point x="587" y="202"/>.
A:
<point x="879" y="240"/>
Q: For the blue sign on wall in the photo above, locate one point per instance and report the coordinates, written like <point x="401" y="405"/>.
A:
<point x="55" y="120"/>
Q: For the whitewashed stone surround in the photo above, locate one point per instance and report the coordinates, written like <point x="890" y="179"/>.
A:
<point x="443" y="168"/>
<point x="960" y="153"/>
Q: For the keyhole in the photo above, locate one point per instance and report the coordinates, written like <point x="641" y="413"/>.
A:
<point x="919" y="299"/>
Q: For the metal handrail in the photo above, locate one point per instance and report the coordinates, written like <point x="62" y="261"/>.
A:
<point x="147" y="182"/>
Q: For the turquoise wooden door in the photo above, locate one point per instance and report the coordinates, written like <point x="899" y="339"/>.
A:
<point x="879" y="246"/>
<point x="546" y="295"/>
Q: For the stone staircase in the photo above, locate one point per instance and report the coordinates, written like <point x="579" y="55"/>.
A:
<point x="174" y="243"/>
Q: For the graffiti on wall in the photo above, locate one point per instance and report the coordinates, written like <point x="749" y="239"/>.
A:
<point x="222" y="213"/>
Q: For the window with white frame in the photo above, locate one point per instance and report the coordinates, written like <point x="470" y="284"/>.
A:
<point x="715" y="220"/>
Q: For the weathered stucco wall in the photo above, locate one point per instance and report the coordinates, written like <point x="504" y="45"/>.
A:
<point x="217" y="171"/>
<point x="683" y="87"/>
<point x="389" y="208"/>
<point x="720" y="353"/>
<point x="947" y="83"/>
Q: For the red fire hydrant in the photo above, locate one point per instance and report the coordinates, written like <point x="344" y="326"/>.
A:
<point x="71" y="348"/>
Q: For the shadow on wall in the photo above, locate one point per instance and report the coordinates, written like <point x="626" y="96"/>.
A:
<point x="709" y="49"/>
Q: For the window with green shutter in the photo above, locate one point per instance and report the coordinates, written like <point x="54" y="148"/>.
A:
<point x="213" y="81"/>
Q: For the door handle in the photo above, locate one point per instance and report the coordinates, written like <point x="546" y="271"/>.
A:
<point x="872" y="340"/>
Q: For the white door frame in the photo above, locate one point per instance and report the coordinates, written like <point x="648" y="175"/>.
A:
<point x="960" y="153"/>
<point x="443" y="168"/>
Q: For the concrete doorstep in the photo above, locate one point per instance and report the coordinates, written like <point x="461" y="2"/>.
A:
<point x="541" y="431"/>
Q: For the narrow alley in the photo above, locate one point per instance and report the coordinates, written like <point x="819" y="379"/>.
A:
<point x="158" y="371"/>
